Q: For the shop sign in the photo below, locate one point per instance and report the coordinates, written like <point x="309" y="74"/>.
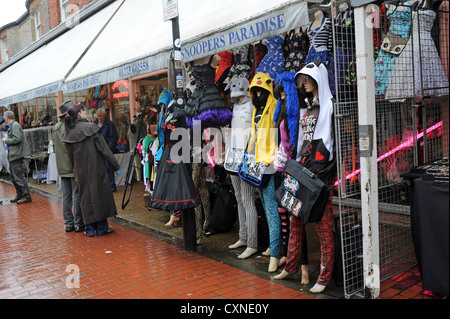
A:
<point x="170" y="9"/>
<point x="257" y="29"/>
<point x="29" y="95"/>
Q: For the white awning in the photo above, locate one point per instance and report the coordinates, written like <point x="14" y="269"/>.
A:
<point x="138" y="41"/>
<point x="43" y="71"/>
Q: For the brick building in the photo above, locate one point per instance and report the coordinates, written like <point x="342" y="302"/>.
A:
<point x="41" y="17"/>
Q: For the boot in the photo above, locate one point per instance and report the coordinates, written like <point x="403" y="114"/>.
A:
<point x="273" y="264"/>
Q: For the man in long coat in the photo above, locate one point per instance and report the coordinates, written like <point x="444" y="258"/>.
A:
<point x="88" y="151"/>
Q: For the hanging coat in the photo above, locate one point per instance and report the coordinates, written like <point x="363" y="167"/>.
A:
<point x="87" y="151"/>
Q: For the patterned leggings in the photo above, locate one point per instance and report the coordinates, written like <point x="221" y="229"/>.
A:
<point x="270" y="205"/>
<point x="324" y="229"/>
<point x="199" y="178"/>
<point x="248" y="216"/>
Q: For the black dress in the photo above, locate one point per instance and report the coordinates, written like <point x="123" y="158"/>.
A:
<point x="174" y="188"/>
<point x="206" y="104"/>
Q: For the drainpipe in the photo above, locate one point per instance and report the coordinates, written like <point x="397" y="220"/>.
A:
<point x="367" y="147"/>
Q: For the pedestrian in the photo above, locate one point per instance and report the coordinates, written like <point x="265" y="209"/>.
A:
<point x="87" y="151"/>
<point x="73" y="219"/>
<point x="17" y="147"/>
<point x="109" y="132"/>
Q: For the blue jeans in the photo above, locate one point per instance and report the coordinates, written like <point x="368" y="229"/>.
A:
<point x="270" y="205"/>
<point x="98" y="228"/>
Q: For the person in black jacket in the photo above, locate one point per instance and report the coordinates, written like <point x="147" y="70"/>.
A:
<point x="109" y="132"/>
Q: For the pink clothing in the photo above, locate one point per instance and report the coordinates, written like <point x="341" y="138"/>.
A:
<point x="284" y="151"/>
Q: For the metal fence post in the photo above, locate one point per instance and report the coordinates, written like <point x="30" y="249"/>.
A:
<point x="368" y="150"/>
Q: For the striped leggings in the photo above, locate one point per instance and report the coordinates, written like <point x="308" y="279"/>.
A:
<point x="248" y="217"/>
<point x="324" y="229"/>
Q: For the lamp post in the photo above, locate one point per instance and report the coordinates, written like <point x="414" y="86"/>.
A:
<point x="170" y="8"/>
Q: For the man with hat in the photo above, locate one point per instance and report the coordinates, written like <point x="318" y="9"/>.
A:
<point x="73" y="220"/>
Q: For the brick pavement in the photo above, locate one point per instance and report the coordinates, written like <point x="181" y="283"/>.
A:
<point x="126" y="264"/>
<point x="36" y="251"/>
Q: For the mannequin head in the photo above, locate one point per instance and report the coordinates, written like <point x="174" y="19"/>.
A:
<point x="307" y="85"/>
<point x="260" y="96"/>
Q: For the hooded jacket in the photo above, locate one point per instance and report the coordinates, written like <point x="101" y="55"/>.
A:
<point x="241" y="123"/>
<point x="323" y="138"/>
<point x="164" y="98"/>
<point x="263" y="141"/>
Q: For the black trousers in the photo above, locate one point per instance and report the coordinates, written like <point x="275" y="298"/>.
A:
<point x="19" y="178"/>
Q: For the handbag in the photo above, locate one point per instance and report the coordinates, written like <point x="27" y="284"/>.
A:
<point x="253" y="173"/>
<point x="233" y="159"/>
<point x="301" y="193"/>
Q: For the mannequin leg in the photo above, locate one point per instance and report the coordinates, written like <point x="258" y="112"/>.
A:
<point x="324" y="230"/>
<point x="236" y="182"/>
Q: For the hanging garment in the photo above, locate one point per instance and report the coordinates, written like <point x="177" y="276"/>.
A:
<point x="297" y="44"/>
<point x="418" y="71"/>
<point x="241" y="66"/>
<point x="174" y="188"/>
<point x="273" y="61"/>
<point x="206" y="104"/>
<point x="318" y="42"/>
<point x="344" y="52"/>
<point x="257" y="54"/>
<point x="223" y="69"/>
<point x="319" y="47"/>
<point x="394" y="40"/>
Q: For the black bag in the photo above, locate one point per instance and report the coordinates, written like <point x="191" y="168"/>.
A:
<point x="302" y="193"/>
<point x="350" y="246"/>
<point x="225" y="211"/>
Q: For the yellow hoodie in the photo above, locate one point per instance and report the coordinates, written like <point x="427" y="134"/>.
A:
<point x="265" y="137"/>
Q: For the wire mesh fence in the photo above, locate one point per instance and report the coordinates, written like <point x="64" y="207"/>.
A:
<point x="411" y="93"/>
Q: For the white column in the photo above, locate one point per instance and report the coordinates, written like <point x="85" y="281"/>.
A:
<point x="368" y="153"/>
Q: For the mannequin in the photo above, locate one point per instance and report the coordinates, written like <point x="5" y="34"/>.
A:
<point x="237" y="138"/>
<point x="319" y="33"/>
<point x="316" y="129"/>
<point x="263" y="145"/>
<point x="174" y="188"/>
<point x="206" y="104"/>
<point x="286" y="120"/>
<point x="318" y="17"/>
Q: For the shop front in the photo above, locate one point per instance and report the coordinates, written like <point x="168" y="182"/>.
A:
<point x="125" y="68"/>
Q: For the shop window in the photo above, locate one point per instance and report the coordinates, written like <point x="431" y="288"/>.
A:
<point x="121" y="107"/>
<point x="37" y="24"/>
<point x="64" y="8"/>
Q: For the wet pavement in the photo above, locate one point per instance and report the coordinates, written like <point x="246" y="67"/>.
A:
<point x="39" y="260"/>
